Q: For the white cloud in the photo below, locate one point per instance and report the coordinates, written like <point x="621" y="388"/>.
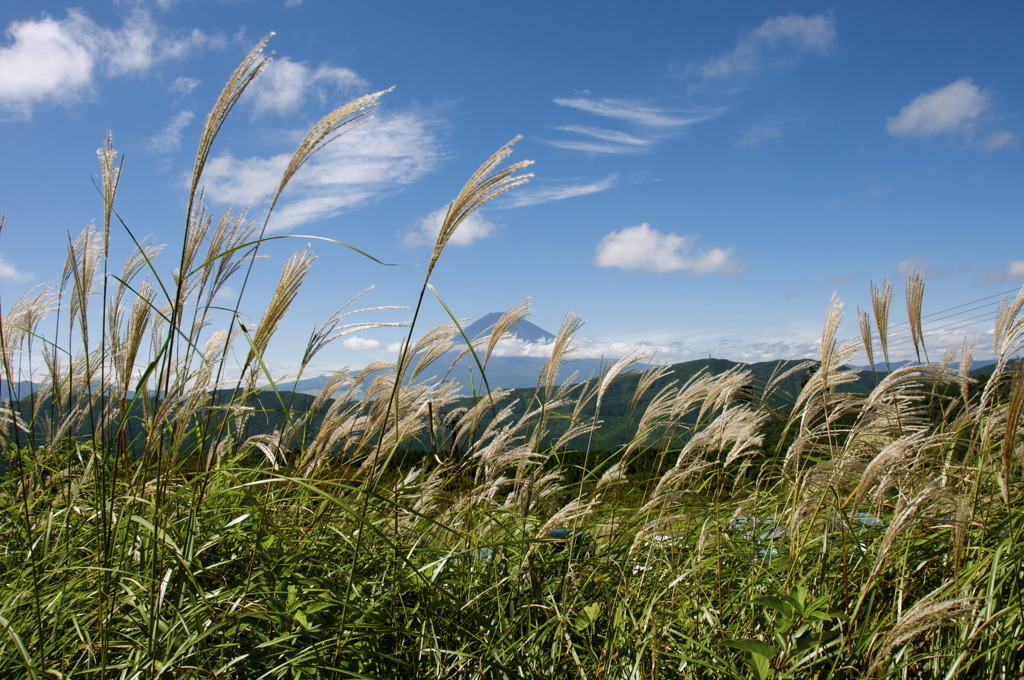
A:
<point x="667" y="348"/>
<point x="614" y="136"/>
<point x="1013" y="271"/>
<point x="162" y="4"/>
<point x="9" y="272"/>
<point x="47" y="60"/>
<point x="226" y="294"/>
<point x="284" y="85"/>
<point x="638" y="112"/>
<point x="656" y="123"/>
<point x="999" y="140"/>
<point x="949" y="109"/>
<point x="759" y="133"/>
<point x="367" y="162"/>
<point x="169" y="139"/>
<point x="607" y="141"/>
<point x="593" y="147"/>
<point x="140" y="44"/>
<point x="360" y="344"/>
<point x="641" y="247"/>
<point x="51" y="61"/>
<point x="547" y="195"/>
<point x="773" y="43"/>
<point x="905" y="267"/>
<point x="473" y="228"/>
<point x="184" y="85"/>
<point x="243" y="181"/>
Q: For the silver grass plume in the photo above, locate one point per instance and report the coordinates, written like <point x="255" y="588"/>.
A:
<point x="572" y="512"/>
<point x="250" y="67"/>
<point x="881" y="298"/>
<point x="222" y="260"/>
<point x="21" y="321"/>
<point x="330" y="127"/>
<point x="614" y="475"/>
<point x="1007" y="341"/>
<point x="571" y="325"/>
<point x="646" y="381"/>
<point x="966" y="360"/>
<point x="1011" y="431"/>
<point x="614" y="371"/>
<point x="295" y="270"/>
<point x="865" y="336"/>
<point x="333" y="329"/>
<point x="110" y="175"/>
<point x="892" y="456"/>
<point x="908" y="511"/>
<point x="1009" y="327"/>
<point x="504" y="325"/>
<point x="485" y="184"/>
<point x="926" y="614"/>
<point x="915" y="296"/>
<point x="80" y="269"/>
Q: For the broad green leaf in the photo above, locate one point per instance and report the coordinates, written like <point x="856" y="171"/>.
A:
<point x="753" y="646"/>
<point x="588" y="615"/>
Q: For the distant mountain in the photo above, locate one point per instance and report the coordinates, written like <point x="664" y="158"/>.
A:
<point x="524" y="330"/>
<point x="502" y="371"/>
<point x="18" y="390"/>
<point x="975" y="365"/>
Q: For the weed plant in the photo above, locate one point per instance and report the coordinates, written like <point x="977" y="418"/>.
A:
<point x="149" y="531"/>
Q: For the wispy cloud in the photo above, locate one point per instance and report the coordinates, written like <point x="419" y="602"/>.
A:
<point x="650" y="124"/>
<point x="605" y="135"/>
<point x="641" y="247"/>
<point x="49" y="61"/>
<point x="837" y="279"/>
<point x="140" y="44"/>
<point x="162" y="4"/>
<point x="906" y="267"/>
<point x="10" y="272"/>
<point x="1013" y="271"/>
<point x="601" y="140"/>
<point x="473" y="228"/>
<point x="183" y="85"/>
<point x="365" y="164"/>
<point x="592" y="147"/>
<point x="169" y="139"/>
<point x="957" y="109"/>
<point x="284" y="85"/>
<point x="1003" y="139"/>
<point x="776" y="42"/>
<point x="559" y="193"/>
<point x="638" y="112"/>
<point x="759" y="133"/>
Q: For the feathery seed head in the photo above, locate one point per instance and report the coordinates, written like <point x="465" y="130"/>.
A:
<point x="486" y="184"/>
<point x="915" y="295"/>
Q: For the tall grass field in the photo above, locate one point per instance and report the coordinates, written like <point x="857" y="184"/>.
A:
<point x="151" y="530"/>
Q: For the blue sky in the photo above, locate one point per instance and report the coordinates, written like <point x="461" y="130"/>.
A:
<point x="706" y="174"/>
